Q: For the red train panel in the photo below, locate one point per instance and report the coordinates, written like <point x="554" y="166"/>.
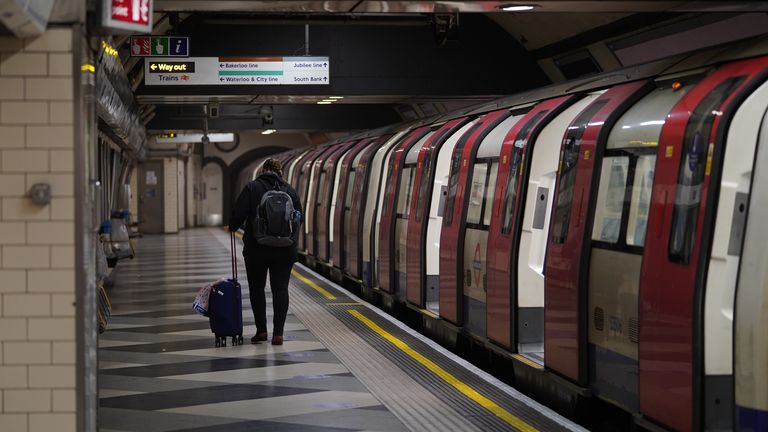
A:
<point x="323" y="202"/>
<point x="303" y="189"/>
<point x="313" y="198"/>
<point x="386" y="226"/>
<point x="417" y="225"/>
<point x="354" y="226"/>
<point x="564" y="293"/>
<point x="677" y="242"/>
<point x="504" y="231"/>
<point x="451" y="236"/>
<point x="338" y="213"/>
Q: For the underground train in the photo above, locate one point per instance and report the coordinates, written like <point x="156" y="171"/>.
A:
<point x="607" y="229"/>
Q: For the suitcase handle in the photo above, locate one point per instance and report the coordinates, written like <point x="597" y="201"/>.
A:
<point x="234" y="256"/>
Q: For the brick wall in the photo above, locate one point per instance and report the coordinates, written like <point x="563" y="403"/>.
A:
<point x="37" y="276"/>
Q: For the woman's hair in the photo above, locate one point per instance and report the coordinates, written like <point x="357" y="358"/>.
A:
<point x="273" y="166"/>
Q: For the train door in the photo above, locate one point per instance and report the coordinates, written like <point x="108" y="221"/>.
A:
<point x="503" y="232"/>
<point x="312" y="194"/>
<point x="348" y="237"/>
<point x="477" y="221"/>
<point x="434" y="225"/>
<point x="373" y="203"/>
<point x="405" y="195"/>
<point x="625" y="173"/>
<point x="305" y="180"/>
<point x="751" y="310"/>
<point x="391" y="203"/>
<point x="679" y="243"/>
<point x="424" y="180"/>
<point x="316" y="179"/>
<point x="744" y="135"/>
<point x="152" y="196"/>
<point x="325" y="207"/>
<point x="360" y="190"/>
<point x="452" y="238"/>
<point x="567" y="249"/>
<point x="343" y="196"/>
<point x="534" y="233"/>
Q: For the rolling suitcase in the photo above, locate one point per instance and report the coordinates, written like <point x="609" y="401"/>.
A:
<point x="225" y="307"/>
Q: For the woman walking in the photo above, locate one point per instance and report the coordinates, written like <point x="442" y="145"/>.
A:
<point x="269" y="244"/>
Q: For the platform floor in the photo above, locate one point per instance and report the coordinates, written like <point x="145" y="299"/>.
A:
<point x="345" y="366"/>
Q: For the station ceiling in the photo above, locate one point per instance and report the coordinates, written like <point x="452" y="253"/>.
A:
<point x="391" y="60"/>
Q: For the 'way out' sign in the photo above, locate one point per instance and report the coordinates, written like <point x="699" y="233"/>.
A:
<point x="237" y="71"/>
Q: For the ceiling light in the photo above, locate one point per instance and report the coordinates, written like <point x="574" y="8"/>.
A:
<point x="517" y="8"/>
<point x="324" y="103"/>
<point x="335" y="97"/>
<point x="329" y="100"/>
<point x="268" y="131"/>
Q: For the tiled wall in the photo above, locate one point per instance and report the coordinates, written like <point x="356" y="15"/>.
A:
<point x="37" y="276"/>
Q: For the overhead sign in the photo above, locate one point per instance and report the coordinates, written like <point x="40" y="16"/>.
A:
<point x="132" y="15"/>
<point x="159" y="46"/>
<point x="171" y="67"/>
<point x="240" y="71"/>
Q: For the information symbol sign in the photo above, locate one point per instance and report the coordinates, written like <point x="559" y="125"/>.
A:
<point x="179" y="46"/>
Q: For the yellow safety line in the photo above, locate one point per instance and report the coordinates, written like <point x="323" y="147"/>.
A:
<point x="526" y="360"/>
<point x="313" y="285"/>
<point x="465" y="389"/>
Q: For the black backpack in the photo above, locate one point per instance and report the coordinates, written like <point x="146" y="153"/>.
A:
<point x="274" y="223"/>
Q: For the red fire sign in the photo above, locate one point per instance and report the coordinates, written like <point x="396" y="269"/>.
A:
<point x="133" y="15"/>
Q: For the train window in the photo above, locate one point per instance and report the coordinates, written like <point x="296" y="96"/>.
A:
<point x="477" y="193"/>
<point x="696" y="144"/>
<point x="426" y="179"/>
<point x="321" y="186"/>
<point x="516" y="171"/>
<point x="404" y="194"/>
<point x="348" y="190"/>
<point x="569" y="155"/>
<point x="610" y="199"/>
<point x="490" y="190"/>
<point x="453" y="177"/>
<point x="641" y="200"/>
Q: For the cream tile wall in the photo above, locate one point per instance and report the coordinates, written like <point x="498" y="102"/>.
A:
<point x="37" y="243"/>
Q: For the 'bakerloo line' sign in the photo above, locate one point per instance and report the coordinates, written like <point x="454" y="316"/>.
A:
<point x="237" y="71"/>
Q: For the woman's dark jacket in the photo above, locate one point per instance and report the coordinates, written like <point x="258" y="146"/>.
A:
<point x="245" y="210"/>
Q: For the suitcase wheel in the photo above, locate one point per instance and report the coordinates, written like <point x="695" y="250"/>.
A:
<point x="218" y="342"/>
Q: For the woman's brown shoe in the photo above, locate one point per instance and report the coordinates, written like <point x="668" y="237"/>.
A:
<point x="259" y="337"/>
<point x="277" y="340"/>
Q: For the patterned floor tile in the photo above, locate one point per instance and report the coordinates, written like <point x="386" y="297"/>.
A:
<point x="159" y="371"/>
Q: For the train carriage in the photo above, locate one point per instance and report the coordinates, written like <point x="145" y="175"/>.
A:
<point x="593" y="227"/>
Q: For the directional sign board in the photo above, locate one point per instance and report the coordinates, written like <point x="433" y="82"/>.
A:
<point x="237" y="71"/>
<point x="159" y="46"/>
